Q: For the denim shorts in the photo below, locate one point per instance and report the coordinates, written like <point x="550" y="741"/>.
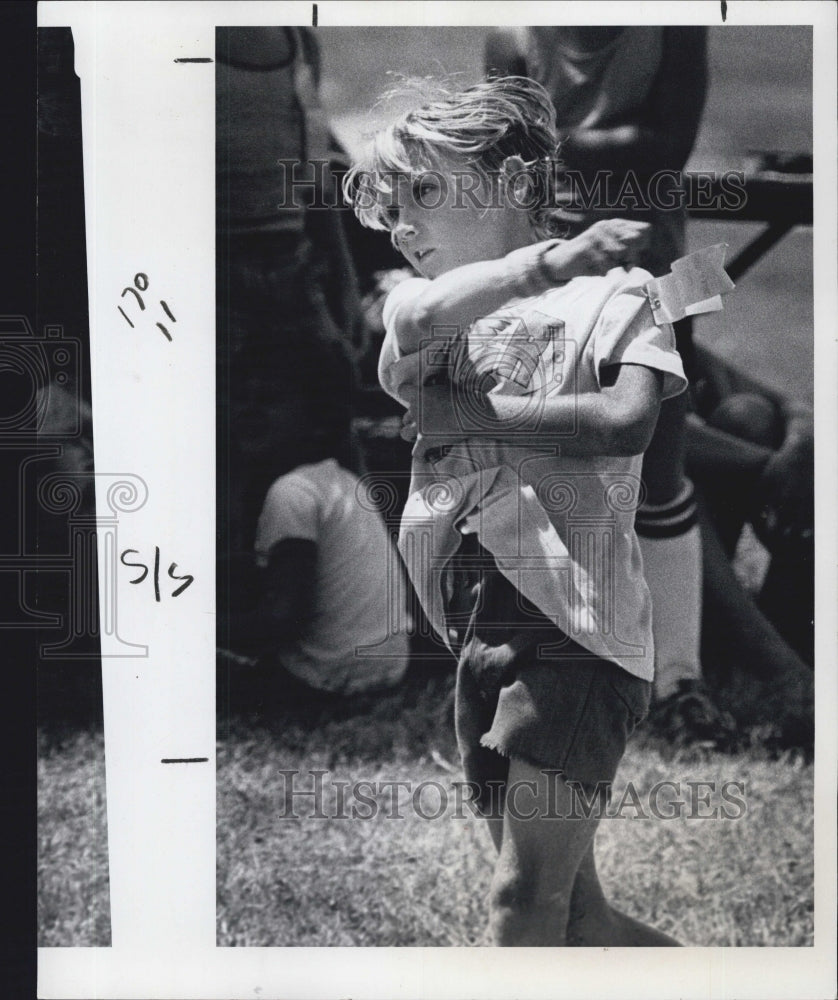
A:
<point x="526" y="690"/>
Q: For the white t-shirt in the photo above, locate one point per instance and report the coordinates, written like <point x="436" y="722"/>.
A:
<point x="561" y="527"/>
<point x="356" y="640"/>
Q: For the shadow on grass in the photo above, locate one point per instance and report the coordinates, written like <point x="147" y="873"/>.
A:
<point x="418" y="714"/>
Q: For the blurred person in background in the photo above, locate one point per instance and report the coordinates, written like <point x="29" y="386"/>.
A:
<point x="280" y="251"/>
<point x="288" y="315"/>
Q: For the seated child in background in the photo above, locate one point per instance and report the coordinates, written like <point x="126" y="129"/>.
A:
<point x="551" y="679"/>
<point x="314" y="603"/>
<point x="342" y="643"/>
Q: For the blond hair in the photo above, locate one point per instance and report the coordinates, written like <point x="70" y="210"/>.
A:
<point x="480" y="126"/>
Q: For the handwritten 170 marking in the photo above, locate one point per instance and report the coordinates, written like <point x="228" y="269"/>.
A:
<point x="141" y="285"/>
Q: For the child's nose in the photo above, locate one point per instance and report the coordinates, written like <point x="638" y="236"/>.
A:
<point x="403" y="232"/>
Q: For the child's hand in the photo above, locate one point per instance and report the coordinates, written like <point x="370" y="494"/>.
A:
<point x="603" y="246"/>
<point x="434" y="418"/>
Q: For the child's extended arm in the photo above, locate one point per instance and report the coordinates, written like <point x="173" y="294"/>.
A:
<point x="455" y="299"/>
<point x="617" y="420"/>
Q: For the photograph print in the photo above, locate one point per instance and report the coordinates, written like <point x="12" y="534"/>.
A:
<point x="515" y="572"/>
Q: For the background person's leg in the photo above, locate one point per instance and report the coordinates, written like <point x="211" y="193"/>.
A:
<point x="761" y="677"/>
<point x="727" y="457"/>
<point x="671" y="546"/>
<point x="787" y="597"/>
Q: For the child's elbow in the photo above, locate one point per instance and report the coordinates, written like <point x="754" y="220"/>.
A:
<point x="632" y="407"/>
<point x="631" y="432"/>
<point x="413" y="326"/>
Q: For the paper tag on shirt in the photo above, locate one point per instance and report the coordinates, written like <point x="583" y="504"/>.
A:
<point x="695" y="285"/>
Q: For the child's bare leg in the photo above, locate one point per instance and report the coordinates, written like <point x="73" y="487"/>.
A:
<point x="546" y="890"/>
<point x="539" y="857"/>
<point x="593" y="922"/>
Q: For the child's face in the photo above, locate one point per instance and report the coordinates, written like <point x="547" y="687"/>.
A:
<point x="454" y="215"/>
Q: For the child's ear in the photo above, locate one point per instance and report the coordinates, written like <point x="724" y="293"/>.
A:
<point x="516" y="178"/>
<point x="512" y="165"/>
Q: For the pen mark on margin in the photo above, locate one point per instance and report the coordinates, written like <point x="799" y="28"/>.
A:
<point x="314" y="15"/>
<point x="184" y="760"/>
<point x="199" y="59"/>
<point x="724" y="10"/>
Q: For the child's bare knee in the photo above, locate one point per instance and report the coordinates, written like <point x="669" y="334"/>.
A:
<point x="522" y="913"/>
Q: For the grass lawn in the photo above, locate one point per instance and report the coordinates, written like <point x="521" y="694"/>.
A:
<point x="73" y="901"/>
<point x="418" y="881"/>
<point x="422" y="881"/>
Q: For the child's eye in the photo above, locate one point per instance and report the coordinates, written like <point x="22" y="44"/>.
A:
<point x="424" y="187"/>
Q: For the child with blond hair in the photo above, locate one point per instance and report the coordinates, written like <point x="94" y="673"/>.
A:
<point x="532" y="372"/>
